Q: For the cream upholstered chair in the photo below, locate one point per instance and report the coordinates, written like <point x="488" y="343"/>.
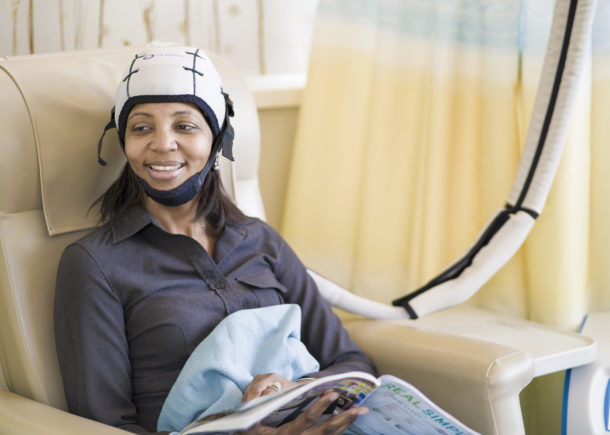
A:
<point x="53" y="108"/>
<point x="52" y="111"/>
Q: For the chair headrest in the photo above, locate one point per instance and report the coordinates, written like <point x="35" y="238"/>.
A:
<point x="56" y="106"/>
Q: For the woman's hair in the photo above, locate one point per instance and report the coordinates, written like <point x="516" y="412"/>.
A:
<point x="214" y="205"/>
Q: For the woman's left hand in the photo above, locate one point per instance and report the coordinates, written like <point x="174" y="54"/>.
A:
<point x="307" y="423"/>
<point x="265" y="384"/>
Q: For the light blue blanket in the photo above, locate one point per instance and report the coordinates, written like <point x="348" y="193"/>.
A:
<point x="244" y="344"/>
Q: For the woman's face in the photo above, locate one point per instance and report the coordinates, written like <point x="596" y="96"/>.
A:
<point x="167" y="143"/>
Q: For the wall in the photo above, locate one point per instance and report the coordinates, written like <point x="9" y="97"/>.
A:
<point x="257" y="36"/>
<point x="278" y="99"/>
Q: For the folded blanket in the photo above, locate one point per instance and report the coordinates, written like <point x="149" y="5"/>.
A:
<point x="243" y="345"/>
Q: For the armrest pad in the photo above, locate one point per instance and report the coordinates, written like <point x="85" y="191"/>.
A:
<point x="20" y="415"/>
<point x="477" y="381"/>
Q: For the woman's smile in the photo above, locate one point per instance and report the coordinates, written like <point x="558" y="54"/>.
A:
<point x="164" y="170"/>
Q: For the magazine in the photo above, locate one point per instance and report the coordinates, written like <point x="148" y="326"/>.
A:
<point x="395" y="407"/>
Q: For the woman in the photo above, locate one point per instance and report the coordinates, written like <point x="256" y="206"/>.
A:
<point x="175" y="257"/>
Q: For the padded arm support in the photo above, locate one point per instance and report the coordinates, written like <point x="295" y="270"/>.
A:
<point x="460" y="374"/>
<point x="478" y="382"/>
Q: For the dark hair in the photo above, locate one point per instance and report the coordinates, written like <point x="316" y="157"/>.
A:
<point x="214" y="205"/>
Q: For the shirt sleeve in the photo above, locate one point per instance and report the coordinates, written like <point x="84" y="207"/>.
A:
<point x="321" y="329"/>
<point x="92" y="347"/>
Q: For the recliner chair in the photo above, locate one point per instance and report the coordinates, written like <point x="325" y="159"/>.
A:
<point x="53" y="108"/>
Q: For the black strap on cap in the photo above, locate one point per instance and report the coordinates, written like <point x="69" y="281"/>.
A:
<point x="227" y="133"/>
<point x="111" y="124"/>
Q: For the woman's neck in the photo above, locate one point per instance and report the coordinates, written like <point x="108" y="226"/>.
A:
<point x="181" y="220"/>
<point x="177" y="219"/>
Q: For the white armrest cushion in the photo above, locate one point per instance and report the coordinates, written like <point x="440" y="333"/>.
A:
<point x="476" y="381"/>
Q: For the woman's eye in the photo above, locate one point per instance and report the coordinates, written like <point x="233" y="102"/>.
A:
<point x="186" y="127"/>
<point x="140" y="128"/>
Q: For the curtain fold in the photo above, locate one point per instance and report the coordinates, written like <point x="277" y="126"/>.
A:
<point x="410" y="132"/>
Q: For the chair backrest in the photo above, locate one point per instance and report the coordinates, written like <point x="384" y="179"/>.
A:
<point x="53" y="108"/>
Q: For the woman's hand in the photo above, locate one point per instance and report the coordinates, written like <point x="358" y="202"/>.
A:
<point x="306" y="422"/>
<point x="265" y="384"/>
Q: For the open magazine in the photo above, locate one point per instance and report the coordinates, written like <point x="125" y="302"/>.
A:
<point x="395" y="407"/>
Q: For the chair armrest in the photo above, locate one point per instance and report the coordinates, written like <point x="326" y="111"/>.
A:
<point x="20" y="415"/>
<point x="476" y="381"/>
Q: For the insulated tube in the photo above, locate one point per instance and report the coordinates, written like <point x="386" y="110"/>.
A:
<point x="506" y="231"/>
<point x="563" y="65"/>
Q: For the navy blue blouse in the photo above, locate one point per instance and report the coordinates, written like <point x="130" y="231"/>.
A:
<point x="133" y="301"/>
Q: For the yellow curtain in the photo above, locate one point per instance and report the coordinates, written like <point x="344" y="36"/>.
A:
<point x="409" y="136"/>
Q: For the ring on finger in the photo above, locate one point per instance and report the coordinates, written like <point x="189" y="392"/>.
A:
<point x="276" y="386"/>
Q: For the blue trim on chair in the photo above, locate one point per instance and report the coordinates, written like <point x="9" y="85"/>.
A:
<point x="564" y="412"/>
<point x="607" y="407"/>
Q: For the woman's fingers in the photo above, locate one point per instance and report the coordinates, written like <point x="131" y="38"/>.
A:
<point x="306" y="422"/>
<point x="258" y="385"/>
<point x="339" y="423"/>
<point x="336" y="424"/>
<point x="265" y="384"/>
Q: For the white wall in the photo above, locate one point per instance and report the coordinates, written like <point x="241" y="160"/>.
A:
<point x="257" y="36"/>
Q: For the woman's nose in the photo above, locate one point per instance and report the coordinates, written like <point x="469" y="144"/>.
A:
<point x="164" y="140"/>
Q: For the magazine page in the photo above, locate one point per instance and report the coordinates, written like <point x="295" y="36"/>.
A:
<point x="397" y="407"/>
<point x="286" y="405"/>
<point x="352" y="387"/>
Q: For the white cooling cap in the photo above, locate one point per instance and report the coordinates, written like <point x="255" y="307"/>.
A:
<point x="171" y="74"/>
